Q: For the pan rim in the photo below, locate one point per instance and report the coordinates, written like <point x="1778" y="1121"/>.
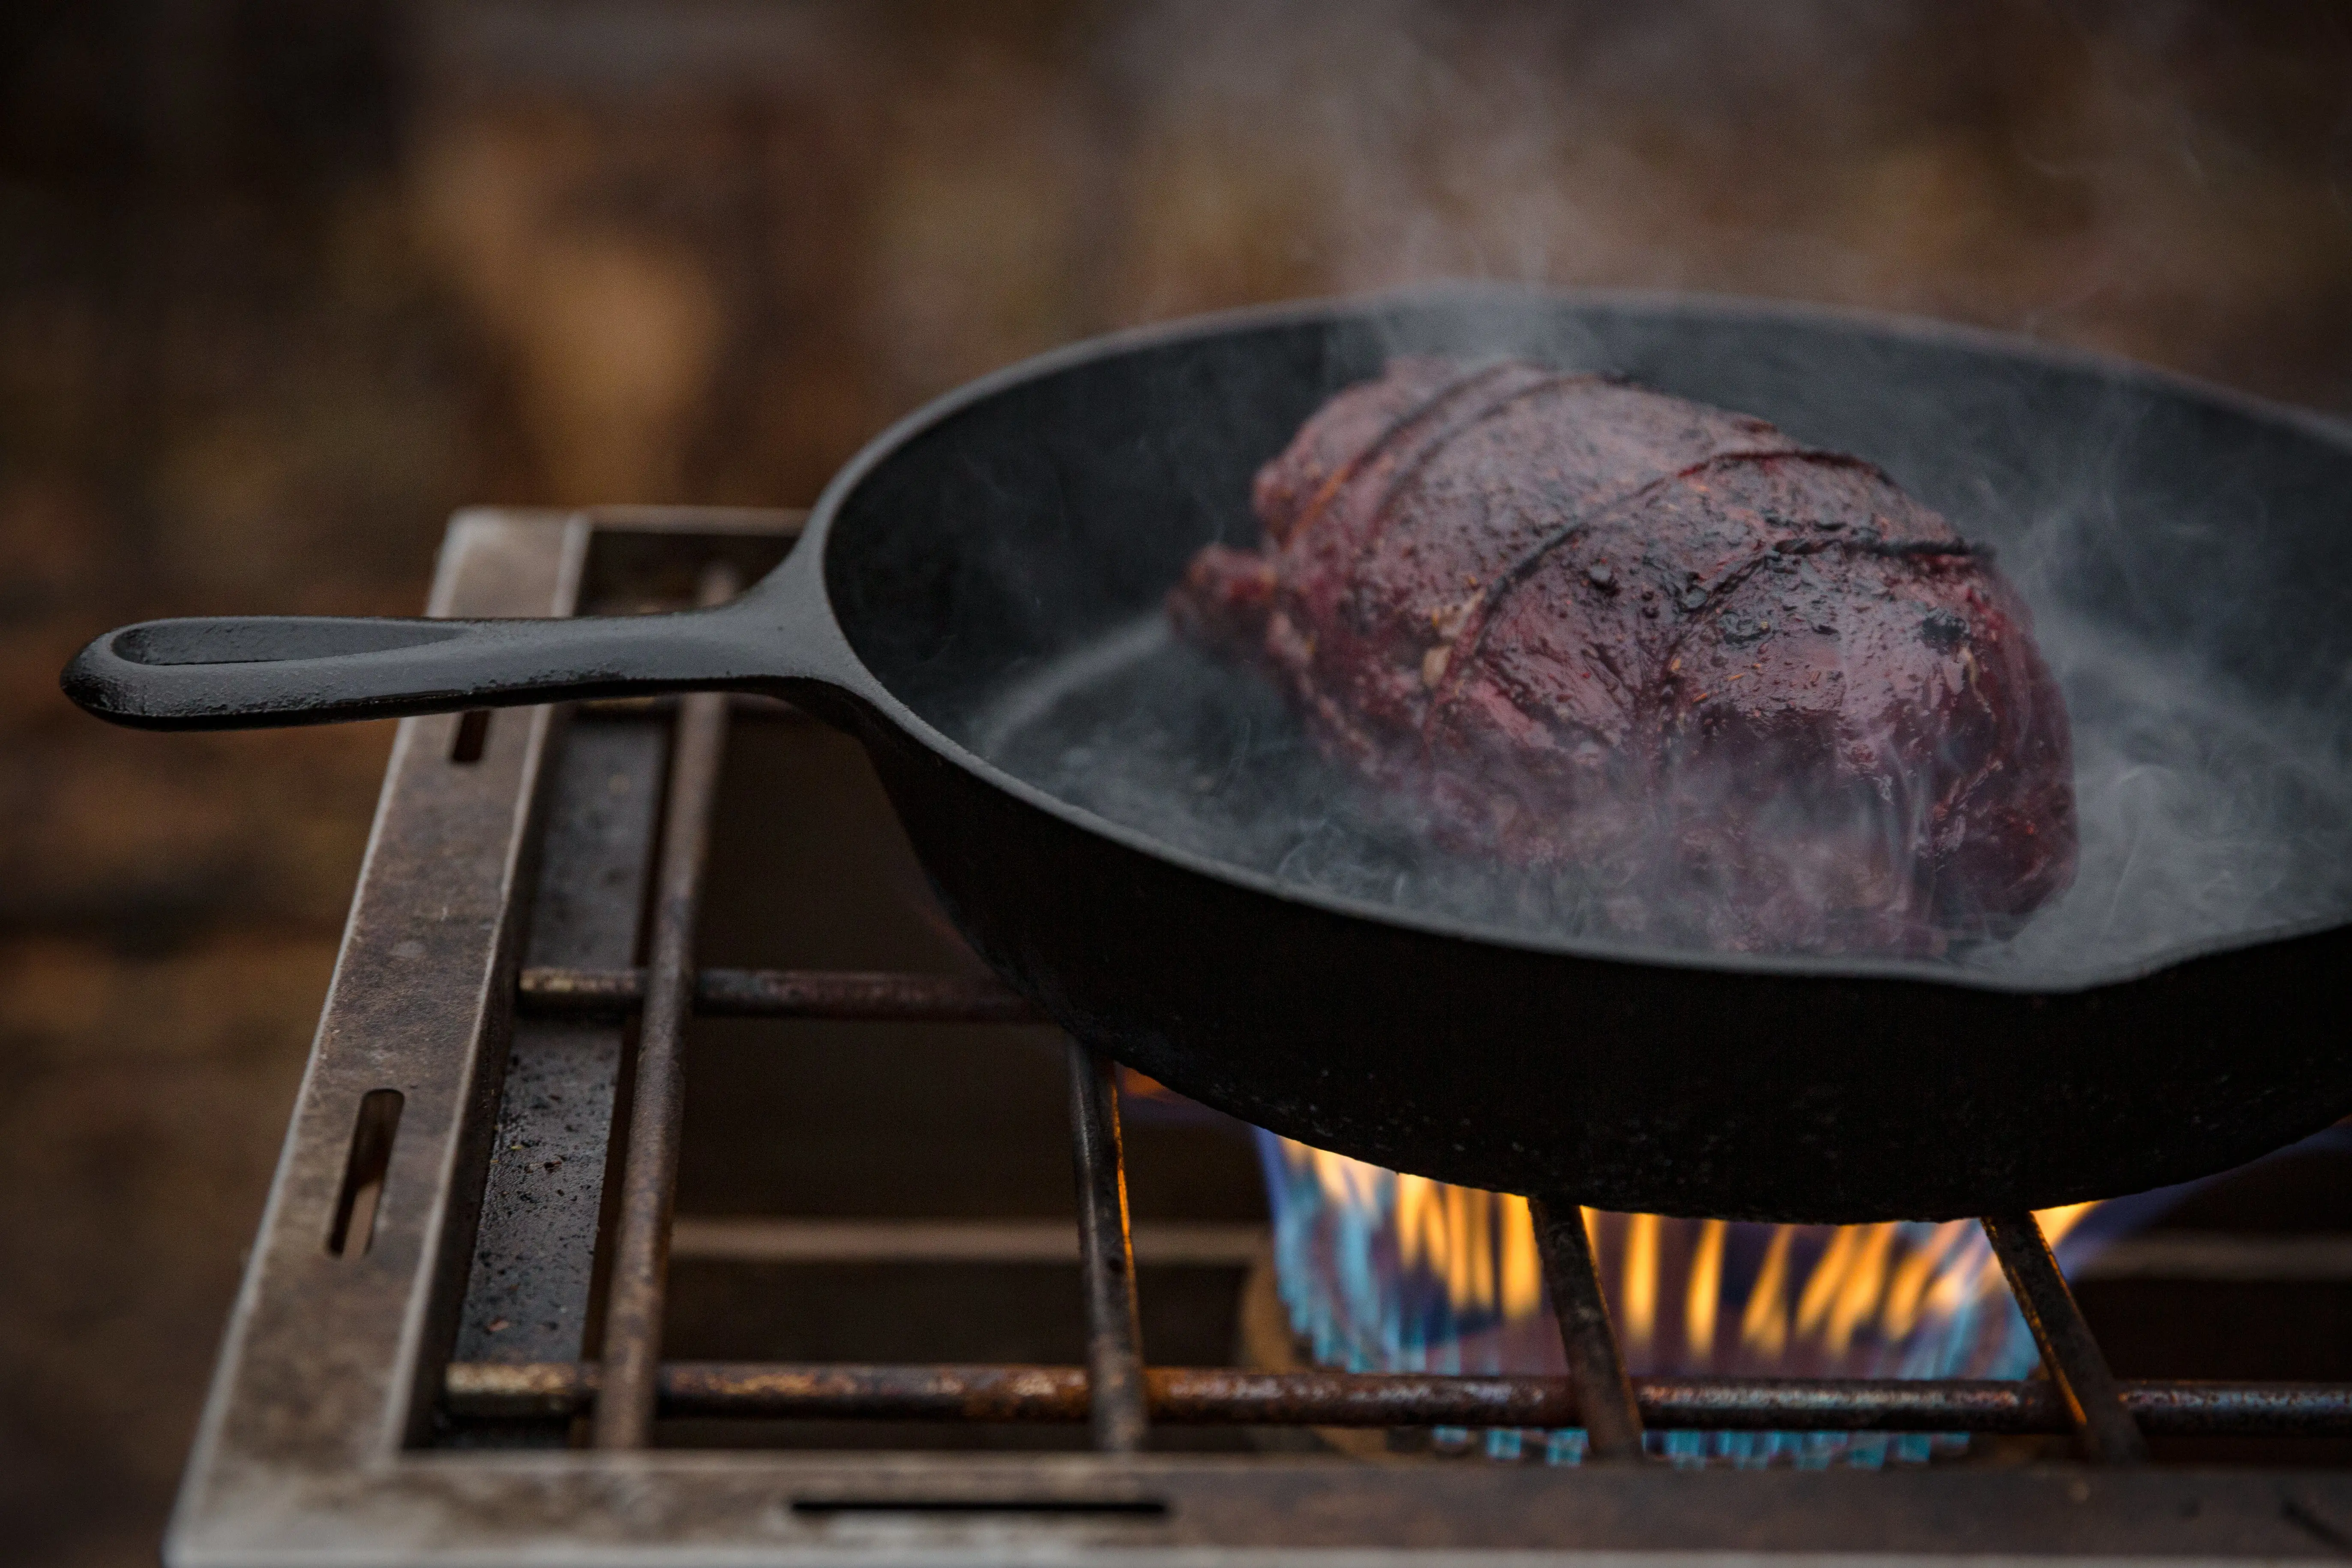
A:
<point x="1838" y="969"/>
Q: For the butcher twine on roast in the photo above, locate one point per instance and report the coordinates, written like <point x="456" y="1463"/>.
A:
<point x="1758" y="695"/>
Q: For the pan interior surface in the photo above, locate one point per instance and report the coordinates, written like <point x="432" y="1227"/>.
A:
<point x="1002" y="571"/>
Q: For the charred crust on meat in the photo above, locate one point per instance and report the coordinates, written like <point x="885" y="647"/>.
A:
<point x="1455" y="556"/>
<point x="1944" y="630"/>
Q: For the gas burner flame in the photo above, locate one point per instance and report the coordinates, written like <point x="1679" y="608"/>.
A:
<point x="1385" y="1272"/>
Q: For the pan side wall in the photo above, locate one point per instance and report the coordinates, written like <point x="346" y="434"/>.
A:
<point x="1625" y="1086"/>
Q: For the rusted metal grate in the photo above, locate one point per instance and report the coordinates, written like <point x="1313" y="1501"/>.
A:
<point x="1114" y="1391"/>
<point x="326" y="1434"/>
<point x="2080" y="1397"/>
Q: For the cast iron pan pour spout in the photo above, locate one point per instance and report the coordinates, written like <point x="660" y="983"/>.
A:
<point x="252" y="671"/>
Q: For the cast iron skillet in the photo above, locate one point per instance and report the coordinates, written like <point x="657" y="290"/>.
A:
<point x="974" y="556"/>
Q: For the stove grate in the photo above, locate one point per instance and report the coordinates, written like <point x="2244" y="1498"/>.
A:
<point x="336" y="1426"/>
<point x="1114" y="1392"/>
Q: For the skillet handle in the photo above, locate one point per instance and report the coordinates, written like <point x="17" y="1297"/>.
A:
<point x="250" y="672"/>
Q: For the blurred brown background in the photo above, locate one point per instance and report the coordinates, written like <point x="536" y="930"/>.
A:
<point x="282" y="281"/>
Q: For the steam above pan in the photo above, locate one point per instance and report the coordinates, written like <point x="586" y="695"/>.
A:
<point x="2208" y="808"/>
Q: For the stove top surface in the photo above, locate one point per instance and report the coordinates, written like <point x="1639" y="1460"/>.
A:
<point x="878" y="1315"/>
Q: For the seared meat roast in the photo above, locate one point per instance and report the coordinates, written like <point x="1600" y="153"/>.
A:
<point x="1755" y="694"/>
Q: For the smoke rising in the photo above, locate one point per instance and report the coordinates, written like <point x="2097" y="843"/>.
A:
<point x="2209" y="812"/>
<point x="2141" y="179"/>
<point x="1816" y="151"/>
<point x="2205" y="818"/>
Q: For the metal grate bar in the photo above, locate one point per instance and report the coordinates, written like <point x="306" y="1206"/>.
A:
<point x="1213" y="1395"/>
<point x="633" y="1313"/>
<point x="1611" y="1420"/>
<point x="2092" y="1399"/>
<point x="318" y="1424"/>
<point x="784" y="994"/>
<point x="1113" y="1334"/>
<point x="533" y="1285"/>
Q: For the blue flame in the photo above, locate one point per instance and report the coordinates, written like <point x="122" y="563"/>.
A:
<point x="1383" y="1273"/>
